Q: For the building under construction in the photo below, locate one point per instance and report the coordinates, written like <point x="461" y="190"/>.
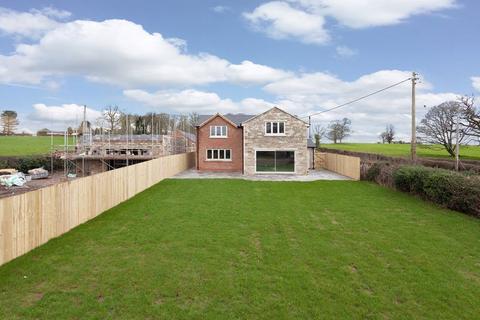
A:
<point x="86" y="154"/>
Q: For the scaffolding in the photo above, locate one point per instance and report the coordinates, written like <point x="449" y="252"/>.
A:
<point x="86" y="147"/>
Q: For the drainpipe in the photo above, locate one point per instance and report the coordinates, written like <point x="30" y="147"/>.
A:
<point x="243" y="151"/>
<point x="198" y="154"/>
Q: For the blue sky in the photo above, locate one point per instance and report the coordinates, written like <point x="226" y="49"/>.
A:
<point x="235" y="56"/>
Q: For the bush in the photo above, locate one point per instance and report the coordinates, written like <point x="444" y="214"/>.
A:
<point x="447" y="188"/>
<point x="26" y="163"/>
<point x="410" y="178"/>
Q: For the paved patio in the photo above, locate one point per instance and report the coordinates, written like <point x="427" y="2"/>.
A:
<point x="320" y="174"/>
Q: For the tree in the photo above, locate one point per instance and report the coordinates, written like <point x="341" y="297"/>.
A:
<point x="389" y="134"/>
<point x="319" y="133"/>
<point x="9" y="122"/>
<point x="193" y="119"/>
<point x="112" y="116"/>
<point x="43" y="132"/>
<point x="439" y="126"/>
<point x="472" y="115"/>
<point x="339" y="130"/>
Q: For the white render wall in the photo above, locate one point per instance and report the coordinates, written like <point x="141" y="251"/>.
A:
<point x="295" y="139"/>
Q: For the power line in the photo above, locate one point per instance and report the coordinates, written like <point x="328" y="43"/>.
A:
<point x="358" y="99"/>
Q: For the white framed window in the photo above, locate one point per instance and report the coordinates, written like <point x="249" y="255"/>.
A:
<point x="219" y="155"/>
<point x="275" y="128"/>
<point x="218" y="131"/>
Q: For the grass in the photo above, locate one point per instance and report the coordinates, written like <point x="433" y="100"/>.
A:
<point x="235" y="249"/>
<point x="403" y="150"/>
<point x="26" y="146"/>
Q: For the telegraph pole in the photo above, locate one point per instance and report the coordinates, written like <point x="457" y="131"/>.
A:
<point x="413" y="143"/>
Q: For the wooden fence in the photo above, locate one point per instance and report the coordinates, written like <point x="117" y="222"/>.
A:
<point x="344" y="165"/>
<point x="29" y="220"/>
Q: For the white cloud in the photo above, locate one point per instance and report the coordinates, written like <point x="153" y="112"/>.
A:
<point x="279" y="20"/>
<point x="305" y="19"/>
<point x="122" y="53"/>
<point x="31" y="24"/>
<point x="53" y="12"/>
<point x="221" y="9"/>
<point x="345" y="52"/>
<point x="198" y="101"/>
<point x="476" y="83"/>
<point x="251" y="73"/>
<point x="308" y="93"/>
<point x="63" y="114"/>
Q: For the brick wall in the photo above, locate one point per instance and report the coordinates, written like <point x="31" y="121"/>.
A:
<point x="295" y="139"/>
<point x="234" y="141"/>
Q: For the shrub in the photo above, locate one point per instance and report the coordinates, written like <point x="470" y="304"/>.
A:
<point x="374" y="171"/>
<point x="410" y="178"/>
<point x="26" y="163"/>
<point x="447" y="188"/>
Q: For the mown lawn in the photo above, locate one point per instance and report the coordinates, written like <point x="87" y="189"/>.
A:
<point x="233" y="249"/>
<point x="26" y="146"/>
<point x="403" y="150"/>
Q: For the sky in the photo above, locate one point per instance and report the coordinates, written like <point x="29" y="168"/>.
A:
<point x="181" y="56"/>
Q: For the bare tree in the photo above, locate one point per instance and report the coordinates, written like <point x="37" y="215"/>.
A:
<point x="9" y="122"/>
<point x="439" y="126"/>
<point x="389" y="134"/>
<point x="472" y="115"/>
<point x="339" y="130"/>
<point x="193" y="119"/>
<point x="319" y="133"/>
<point x="113" y="117"/>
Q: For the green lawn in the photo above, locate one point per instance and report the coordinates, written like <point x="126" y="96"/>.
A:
<point x="234" y="249"/>
<point x="403" y="150"/>
<point x="25" y="146"/>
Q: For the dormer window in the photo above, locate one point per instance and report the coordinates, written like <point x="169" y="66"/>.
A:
<point x="275" y="128"/>
<point x="218" y="131"/>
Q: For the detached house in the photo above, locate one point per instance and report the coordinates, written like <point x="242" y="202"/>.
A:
<point x="271" y="142"/>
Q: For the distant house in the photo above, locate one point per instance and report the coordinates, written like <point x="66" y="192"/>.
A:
<point x="271" y="142"/>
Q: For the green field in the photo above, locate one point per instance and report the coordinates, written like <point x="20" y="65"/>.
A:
<point x="234" y="249"/>
<point x="403" y="150"/>
<point x="25" y="146"/>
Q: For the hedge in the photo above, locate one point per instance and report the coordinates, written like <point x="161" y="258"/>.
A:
<point x="26" y="163"/>
<point x="447" y="188"/>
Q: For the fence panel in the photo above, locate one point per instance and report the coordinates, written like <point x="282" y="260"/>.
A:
<point x="30" y="219"/>
<point x="344" y="165"/>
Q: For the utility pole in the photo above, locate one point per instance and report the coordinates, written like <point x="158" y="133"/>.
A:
<point x="413" y="143"/>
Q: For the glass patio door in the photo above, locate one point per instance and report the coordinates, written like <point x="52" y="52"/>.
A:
<point x="275" y="161"/>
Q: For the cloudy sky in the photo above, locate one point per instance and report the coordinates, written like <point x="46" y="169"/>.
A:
<point x="236" y="56"/>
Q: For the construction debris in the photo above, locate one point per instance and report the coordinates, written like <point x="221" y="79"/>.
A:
<point x="7" y="171"/>
<point x="17" y="179"/>
<point x="38" y="173"/>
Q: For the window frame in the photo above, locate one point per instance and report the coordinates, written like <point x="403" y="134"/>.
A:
<point x="218" y="152"/>
<point x="275" y="124"/>
<point x="214" y="128"/>
<point x="275" y="150"/>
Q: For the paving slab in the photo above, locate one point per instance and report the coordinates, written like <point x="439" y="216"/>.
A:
<point x="313" y="175"/>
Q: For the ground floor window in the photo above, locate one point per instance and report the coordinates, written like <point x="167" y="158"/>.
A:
<point x="275" y="161"/>
<point x="219" y="154"/>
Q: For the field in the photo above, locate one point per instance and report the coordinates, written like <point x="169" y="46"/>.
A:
<point x="403" y="150"/>
<point x="25" y="146"/>
<point x="230" y="249"/>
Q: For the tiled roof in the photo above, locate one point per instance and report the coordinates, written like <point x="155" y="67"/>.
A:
<point x="237" y="118"/>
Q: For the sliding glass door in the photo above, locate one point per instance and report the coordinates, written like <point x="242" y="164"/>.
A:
<point x="275" y="161"/>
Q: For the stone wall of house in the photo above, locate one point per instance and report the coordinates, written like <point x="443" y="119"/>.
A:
<point x="295" y="138"/>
